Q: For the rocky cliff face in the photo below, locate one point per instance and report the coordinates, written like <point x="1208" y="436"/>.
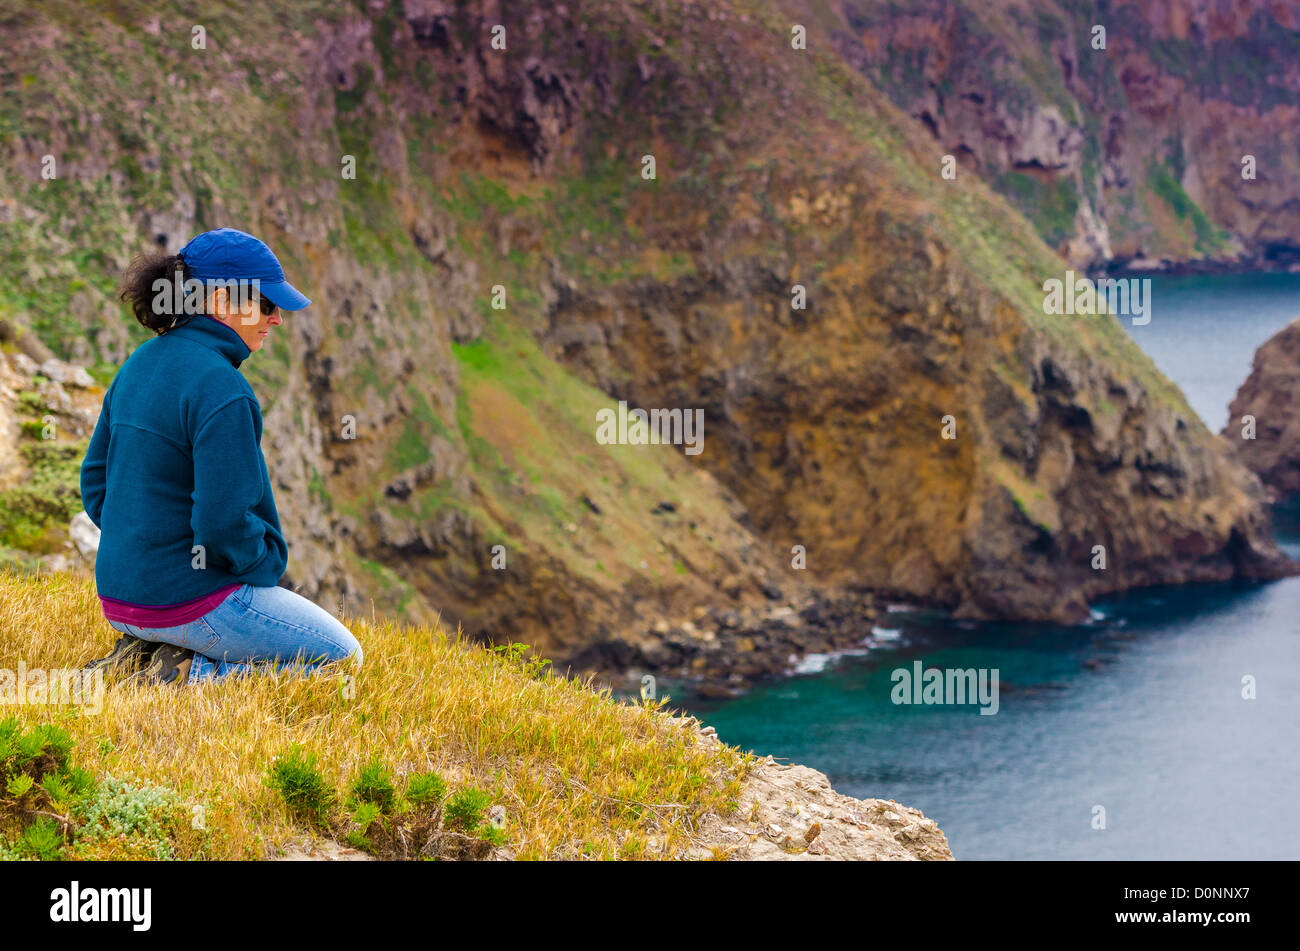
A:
<point x="502" y="266"/>
<point x="1264" y="418"/>
<point x="1131" y="154"/>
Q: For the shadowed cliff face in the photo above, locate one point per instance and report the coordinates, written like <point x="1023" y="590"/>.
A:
<point x="1270" y="397"/>
<point x="1128" y="153"/>
<point x="499" y="269"/>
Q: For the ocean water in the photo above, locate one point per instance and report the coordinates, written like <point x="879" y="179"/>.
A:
<point x="1204" y="331"/>
<point x="1136" y="718"/>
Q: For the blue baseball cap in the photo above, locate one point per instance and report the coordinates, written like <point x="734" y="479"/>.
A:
<point x="229" y="254"/>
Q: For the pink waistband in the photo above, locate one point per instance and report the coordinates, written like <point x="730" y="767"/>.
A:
<point x="166" y="615"/>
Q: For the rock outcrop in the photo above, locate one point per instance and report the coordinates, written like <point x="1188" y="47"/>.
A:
<point x="789" y="812"/>
<point x="1264" y="417"/>
<point x="47" y="412"/>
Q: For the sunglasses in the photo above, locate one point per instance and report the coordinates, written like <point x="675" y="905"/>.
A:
<point x="268" y="308"/>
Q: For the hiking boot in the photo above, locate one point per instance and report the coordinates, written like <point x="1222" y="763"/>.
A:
<point x="168" y="665"/>
<point x="128" y="655"/>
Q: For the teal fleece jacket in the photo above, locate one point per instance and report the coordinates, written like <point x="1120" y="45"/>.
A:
<point x="175" y="477"/>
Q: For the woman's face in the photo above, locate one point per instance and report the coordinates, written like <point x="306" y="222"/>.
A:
<point x="252" y="325"/>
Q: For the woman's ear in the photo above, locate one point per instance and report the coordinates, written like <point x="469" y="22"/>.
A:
<point x="218" y="304"/>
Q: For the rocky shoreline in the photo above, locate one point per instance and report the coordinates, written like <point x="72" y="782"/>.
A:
<point x="1172" y="267"/>
<point x="725" y="651"/>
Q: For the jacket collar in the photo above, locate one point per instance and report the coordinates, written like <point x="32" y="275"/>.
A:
<point x="212" y="333"/>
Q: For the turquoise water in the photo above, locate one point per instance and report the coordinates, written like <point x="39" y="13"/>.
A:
<point x="1204" y="331"/>
<point x="1139" y="712"/>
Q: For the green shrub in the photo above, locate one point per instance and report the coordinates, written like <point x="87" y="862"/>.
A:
<point x="37" y="778"/>
<point x="516" y="655"/>
<point x="39" y="760"/>
<point x="426" y="788"/>
<point x="366" y="815"/>
<point x="377" y="818"/>
<point x="297" y="777"/>
<point x="465" y="809"/>
<point x="41" y="840"/>
<point x="19" y="785"/>
<point x="374" y="785"/>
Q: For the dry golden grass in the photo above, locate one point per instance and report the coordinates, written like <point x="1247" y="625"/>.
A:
<point x="579" y="774"/>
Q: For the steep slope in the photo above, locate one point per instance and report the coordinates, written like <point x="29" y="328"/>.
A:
<point x="1131" y="153"/>
<point x="499" y="269"/>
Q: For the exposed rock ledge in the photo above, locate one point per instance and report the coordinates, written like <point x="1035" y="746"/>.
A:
<point x="790" y="812"/>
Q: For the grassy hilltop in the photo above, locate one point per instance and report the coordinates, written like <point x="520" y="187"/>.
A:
<point x="434" y="748"/>
<point x="577" y="774"/>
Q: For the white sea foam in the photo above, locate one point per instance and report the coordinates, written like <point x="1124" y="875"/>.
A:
<point x="812" y="664"/>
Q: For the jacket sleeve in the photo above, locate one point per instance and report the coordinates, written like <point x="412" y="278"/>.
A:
<point x="228" y="478"/>
<point x="94" y="468"/>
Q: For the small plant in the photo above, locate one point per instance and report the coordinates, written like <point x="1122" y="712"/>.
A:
<point x="18" y="786"/>
<point x="493" y="835"/>
<point x="57" y="788"/>
<point x="510" y="653"/>
<point x="38" y="788"/>
<point x="42" y="840"/>
<point x="140" y="819"/>
<point x="366" y="815"/>
<point x="426" y="789"/>
<point x="36" y="769"/>
<point x="374" y="785"/>
<point x="465" y="809"/>
<point x="516" y="655"/>
<point x="296" y="775"/>
<point x="30" y="403"/>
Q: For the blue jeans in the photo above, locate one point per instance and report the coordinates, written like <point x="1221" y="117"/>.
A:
<point x="255" y="625"/>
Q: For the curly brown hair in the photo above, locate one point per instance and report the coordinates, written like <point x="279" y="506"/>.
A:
<point x="139" y="289"/>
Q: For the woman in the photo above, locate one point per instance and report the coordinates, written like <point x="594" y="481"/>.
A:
<point x="191" y="550"/>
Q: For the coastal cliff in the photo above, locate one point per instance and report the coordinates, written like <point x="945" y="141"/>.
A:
<point x="1144" y="135"/>
<point x="494" y="262"/>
